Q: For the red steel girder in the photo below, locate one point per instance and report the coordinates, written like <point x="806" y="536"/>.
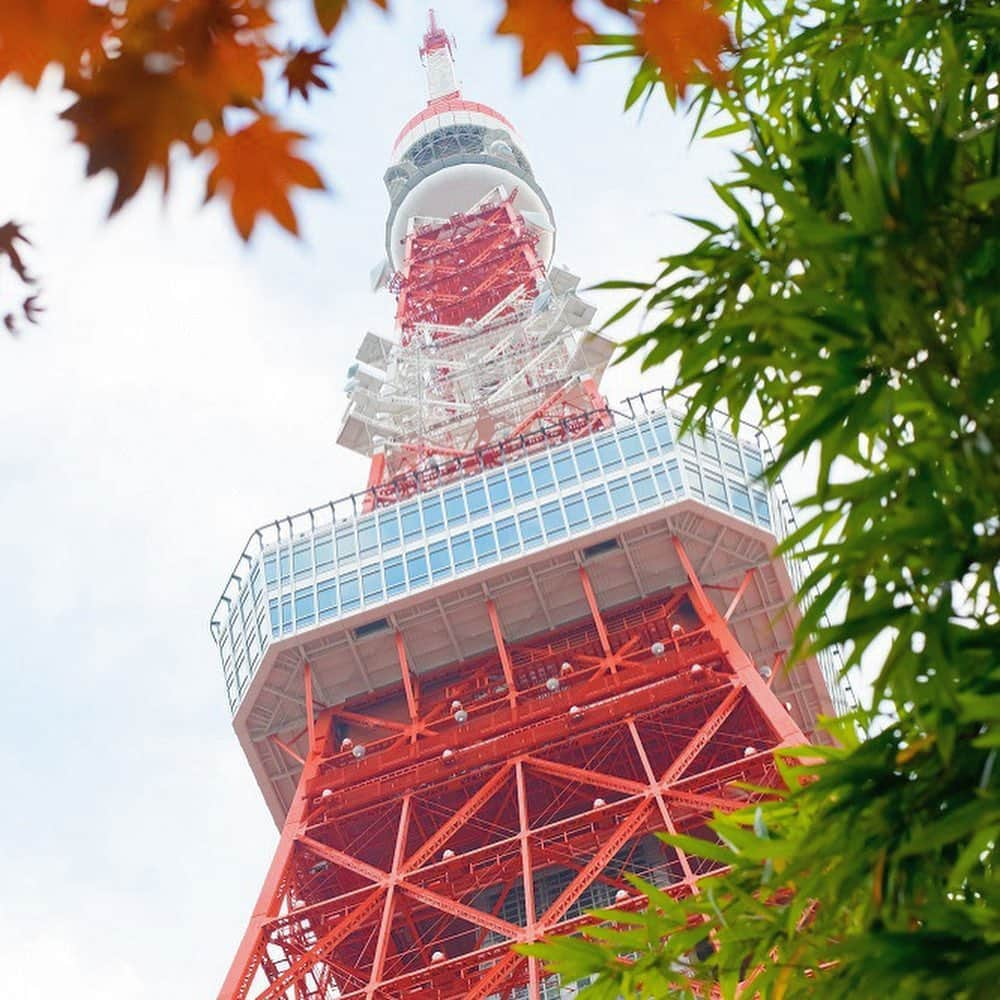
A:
<point x="519" y="797"/>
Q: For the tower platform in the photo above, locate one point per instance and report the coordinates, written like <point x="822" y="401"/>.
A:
<point x="333" y="586"/>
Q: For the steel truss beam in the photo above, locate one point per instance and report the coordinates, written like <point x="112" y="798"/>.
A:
<point x="477" y="816"/>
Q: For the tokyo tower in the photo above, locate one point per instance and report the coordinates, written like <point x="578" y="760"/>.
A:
<point x="548" y="627"/>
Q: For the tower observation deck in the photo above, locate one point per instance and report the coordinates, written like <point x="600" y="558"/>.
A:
<point x="547" y="627"/>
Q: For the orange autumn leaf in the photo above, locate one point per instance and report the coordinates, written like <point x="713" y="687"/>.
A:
<point x="35" y="33"/>
<point x="10" y="235"/>
<point x="545" y="27"/>
<point x="329" y="12"/>
<point x="681" y="36"/>
<point x="256" y="168"/>
<point x="302" y="71"/>
<point x="167" y="76"/>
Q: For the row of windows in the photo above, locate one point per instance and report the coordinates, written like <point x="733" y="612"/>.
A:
<point x="467" y="549"/>
<point x="383" y="555"/>
<point x="498" y="491"/>
<point x="480" y="546"/>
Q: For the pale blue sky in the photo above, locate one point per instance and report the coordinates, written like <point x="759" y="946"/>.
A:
<point x="181" y="390"/>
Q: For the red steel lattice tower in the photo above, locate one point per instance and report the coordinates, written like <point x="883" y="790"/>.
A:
<point x="547" y="629"/>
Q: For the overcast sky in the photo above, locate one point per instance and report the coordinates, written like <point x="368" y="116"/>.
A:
<point x="181" y="390"/>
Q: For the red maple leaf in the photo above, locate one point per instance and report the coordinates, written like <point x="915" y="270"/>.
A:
<point x="34" y="33"/>
<point x="168" y="75"/>
<point x="329" y="12"/>
<point x="545" y="27"/>
<point x="256" y="168"/>
<point x="10" y="236"/>
<point x="681" y="36"/>
<point x="302" y="71"/>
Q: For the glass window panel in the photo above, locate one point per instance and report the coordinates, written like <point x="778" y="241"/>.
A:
<point x="454" y="505"/>
<point x="499" y="493"/>
<point x="630" y="445"/>
<point x="388" y="528"/>
<point x="754" y="465"/>
<point x="433" y="514"/>
<point x="367" y="536"/>
<point x="410" y="516"/>
<point x="621" y="496"/>
<point x="693" y="476"/>
<point x="600" y="506"/>
<point x="324" y="553"/>
<point x="586" y="458"/>
<point x="305" y="608"/>
<point x="662" y="481"/>
<point x="541" y="474"/>
<point x="461" y="550"/>
<point x="708" y="447"/>
<point x="716" y="489"/>
<point x="645" y="491"/>
<point x="485" y="544"/>
<point x="608" y="450"/>
<point x="346" y="544"/>
<point x="284" y="564"/>
<point x="731" y="455"/>
<point x="275" y="618"/>
<point x="416" y="568"/>
<point x="326" y="594"/>
<point x="576" y="510"/>
<point x="648" y="438"/>
<point x="741" y="498"/>
<point x="475" y="494"/>
<point x="761" y="508"/>
<point x="661" y="427"/>
<point x="395" y="581"/>
<point x="520" y="483"/>
<point x="271" y="568"/>
<point x="531" y="528"/>
<point x="350" y="592"/>
<point x="371" y="583"/>
<point x="286" y="613"/>
<point x="562" y="462"/>
<point x="553" y="521"/>
<point x="674" y="469"/>
<point x="507" y="534"/>
<point x="440" y="560"/>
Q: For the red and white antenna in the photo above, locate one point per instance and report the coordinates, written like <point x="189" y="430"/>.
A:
<point x="438" y="56"/>
<point x="493" y="349"/>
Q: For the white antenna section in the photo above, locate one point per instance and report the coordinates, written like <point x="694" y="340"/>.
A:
<point x="438" y="57"/>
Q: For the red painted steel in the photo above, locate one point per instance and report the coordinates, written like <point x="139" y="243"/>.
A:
<point x="404" y="872"/>
<point x="493" y="800"/>
<point x="455" y="273"/>
<point x="459" y="270"/>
